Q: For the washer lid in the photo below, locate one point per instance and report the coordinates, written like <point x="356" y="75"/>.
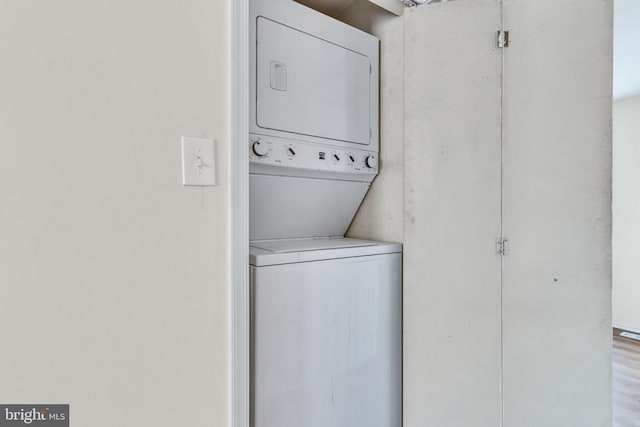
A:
<point x="281" y="251"/>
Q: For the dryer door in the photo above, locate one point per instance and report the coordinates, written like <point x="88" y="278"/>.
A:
<point x="309" y="86"/>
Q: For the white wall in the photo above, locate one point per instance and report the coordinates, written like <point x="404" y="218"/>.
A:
<point x="626" y="213"/>
<point x="380" y="216"/>
<point x="112" y="275"/>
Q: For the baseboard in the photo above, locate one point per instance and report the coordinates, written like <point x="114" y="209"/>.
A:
<point x="623" y="327"/>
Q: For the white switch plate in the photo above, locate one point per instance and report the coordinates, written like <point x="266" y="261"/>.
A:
<point x="198" y="161"/>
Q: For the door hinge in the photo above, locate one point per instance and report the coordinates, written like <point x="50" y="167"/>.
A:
<point x="503" y="39"/>
<point x="501" y="246"/>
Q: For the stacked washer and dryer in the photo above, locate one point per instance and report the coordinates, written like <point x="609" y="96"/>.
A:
<point x="326" y="316"/>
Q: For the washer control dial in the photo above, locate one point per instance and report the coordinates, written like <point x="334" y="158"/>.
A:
<point x="371" y="161"/>
<point x="260" y="148"/>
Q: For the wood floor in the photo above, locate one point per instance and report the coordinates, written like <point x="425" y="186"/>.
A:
<point x="626" y="382"/>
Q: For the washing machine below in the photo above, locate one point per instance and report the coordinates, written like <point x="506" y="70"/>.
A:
<point x="326" y="333"/>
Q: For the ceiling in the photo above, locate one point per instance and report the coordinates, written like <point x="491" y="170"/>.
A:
<point x="626" y="49"/>
<point x="328" y="7"/>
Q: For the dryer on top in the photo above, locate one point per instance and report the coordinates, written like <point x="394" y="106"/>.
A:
<point x="313" y="121"/>
<point x="313" y="79"/>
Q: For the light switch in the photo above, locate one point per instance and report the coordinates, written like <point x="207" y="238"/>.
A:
<point x="198" y="161"/>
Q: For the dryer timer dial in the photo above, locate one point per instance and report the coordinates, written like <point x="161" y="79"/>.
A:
<point x="260" y="148"/>
<point x="371" y="161"/>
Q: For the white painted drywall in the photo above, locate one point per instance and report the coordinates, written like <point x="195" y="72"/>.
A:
<point x="626" y="213"/>
<point x="557" y="213"/>
<point x="452" y="215"/>
<point x="112" y="275"/>
<point x="626" y="69"/>
<point x="380" y="216"/>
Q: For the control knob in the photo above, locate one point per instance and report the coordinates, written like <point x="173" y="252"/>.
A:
<point x="371" y="162"/>
<point x="260" y="148"/>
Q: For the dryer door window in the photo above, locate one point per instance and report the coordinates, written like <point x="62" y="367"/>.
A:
<point x="309" y="86"/>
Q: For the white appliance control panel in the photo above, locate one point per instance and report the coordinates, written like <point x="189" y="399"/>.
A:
<point x="276" y="156"/>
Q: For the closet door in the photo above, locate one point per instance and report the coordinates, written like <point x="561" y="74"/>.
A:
<point x="452" y="215"/>
<point x="557" y="213"/>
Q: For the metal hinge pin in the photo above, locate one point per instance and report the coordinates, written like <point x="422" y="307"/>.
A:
<point x="501" y="246"/>
<point x="503" y="39"/>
